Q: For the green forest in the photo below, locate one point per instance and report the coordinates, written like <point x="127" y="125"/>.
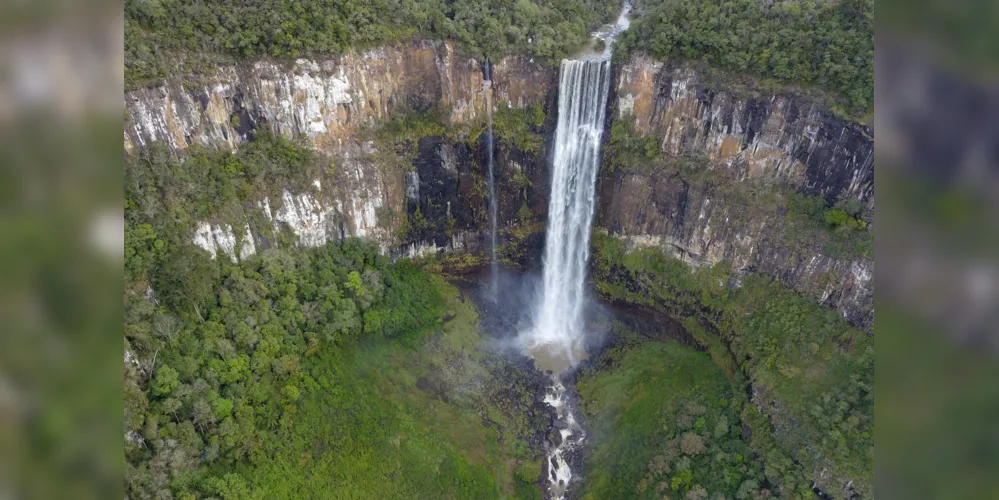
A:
<point x="164" y="35"/>
<point x="828" y="45"/>
<point x="666" y="422"/>
<point x="337" y="372"/>
<point x="811" y="373"/>
<point x="810" y="42"/>
<point x="327" y="373"/>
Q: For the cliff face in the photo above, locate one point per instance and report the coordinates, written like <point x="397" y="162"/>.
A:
<point x="756" y="144"/>
<point x="327" y="102"/>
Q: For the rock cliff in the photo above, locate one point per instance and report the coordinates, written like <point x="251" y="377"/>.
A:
<point x="755" y="146"/>
<point x="327" y="102"/>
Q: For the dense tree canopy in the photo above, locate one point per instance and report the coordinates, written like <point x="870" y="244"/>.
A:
<point x="160" y="33"/>
<point x="811" y="42"/>
<point x="810" y="372"/>
<point x="227" y="352"/>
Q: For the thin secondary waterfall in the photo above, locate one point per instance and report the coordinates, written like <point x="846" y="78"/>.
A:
<point x="487" y="73"/>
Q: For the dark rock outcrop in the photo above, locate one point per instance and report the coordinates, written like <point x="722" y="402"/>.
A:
<point x="754" y="144"/>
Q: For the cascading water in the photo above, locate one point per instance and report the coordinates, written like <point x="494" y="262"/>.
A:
<point x="487" y="76"/>
<point x="583" y="89"/>
<point x="556" y="340"/>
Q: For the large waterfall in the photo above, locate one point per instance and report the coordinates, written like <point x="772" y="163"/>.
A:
<point x="558" y="330"/>
<point x="556" y="341"/>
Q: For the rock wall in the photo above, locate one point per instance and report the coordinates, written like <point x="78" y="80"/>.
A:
<point x="327" y="102"/>
<point x="751" y="137"/>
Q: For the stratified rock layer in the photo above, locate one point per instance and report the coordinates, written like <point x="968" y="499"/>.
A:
<point x="785" y="139"/>
<point x="778" y="138"/>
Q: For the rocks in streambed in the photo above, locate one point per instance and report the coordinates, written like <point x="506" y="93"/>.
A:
<point x="555" y="437"/>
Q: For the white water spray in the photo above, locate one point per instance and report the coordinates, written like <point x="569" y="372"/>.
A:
<point x="559" y="473"/>
<point x="557" y="339"/>
<point x="583" y="89"/>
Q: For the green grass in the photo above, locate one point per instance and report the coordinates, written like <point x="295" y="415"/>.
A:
<point x="664" y="421"/>
<point x="811" y="372"/>
<point x="321" y="373"/>
<point x="371" y="430"/>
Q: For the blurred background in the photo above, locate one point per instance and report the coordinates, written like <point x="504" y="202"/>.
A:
<point x="937" y="178"/>
<point x="61" y="239"/>
<point x="937" y="289"/>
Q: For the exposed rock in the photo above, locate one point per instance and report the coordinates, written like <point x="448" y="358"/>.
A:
<point x="555" y="437"/>
<point x="784" y="139"/>
<point x="220" y="238"/>
<point x="327" y="102"/>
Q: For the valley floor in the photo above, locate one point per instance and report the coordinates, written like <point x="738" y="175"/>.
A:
<point x="439" y="419"/>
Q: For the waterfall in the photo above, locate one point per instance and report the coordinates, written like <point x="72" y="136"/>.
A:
<point x="583" y="92"/>
<point x="487" y="72"/>
<point x="556" y="341"/>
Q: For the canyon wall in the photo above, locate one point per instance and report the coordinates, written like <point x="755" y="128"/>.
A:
<point x="328" y="103"/>
<point x="755" y="146"/>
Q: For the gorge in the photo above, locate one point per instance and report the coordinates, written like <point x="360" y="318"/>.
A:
<point x="707" y="195"/>
<point x="782" y="139"/>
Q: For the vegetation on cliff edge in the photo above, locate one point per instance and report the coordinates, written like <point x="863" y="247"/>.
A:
<point x="167" y="194"/>
<point x="808" y="42"/>
<point x="162" y="35"/>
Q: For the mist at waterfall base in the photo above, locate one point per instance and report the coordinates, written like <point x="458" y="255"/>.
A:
<point x="552" y="327"/>
<point x="557" y="338"/>
<point x="551" y="317"/>
<point x="516" y="307"/>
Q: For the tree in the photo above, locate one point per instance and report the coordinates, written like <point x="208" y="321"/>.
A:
<point x="187" y="279"/>
<point x="165" y="381"/>
<point x="230" y="487"/>
<point x="692" y="444"/>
